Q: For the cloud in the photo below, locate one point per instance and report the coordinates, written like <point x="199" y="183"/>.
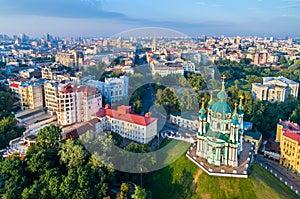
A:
<point x="57" y="8"/>
<point x="291" y="6"/>
<point x="291" y="1"/>
<point x="201" y="3"/>
<point x="217" y="5"/>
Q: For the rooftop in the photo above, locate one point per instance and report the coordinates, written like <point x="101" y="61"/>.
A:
<point x="293" y="136"/>
<point x="123" y="113"/>
<point x="255" y="135"/>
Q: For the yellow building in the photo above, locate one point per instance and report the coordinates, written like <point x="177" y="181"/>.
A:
<point x="288" y="134"/>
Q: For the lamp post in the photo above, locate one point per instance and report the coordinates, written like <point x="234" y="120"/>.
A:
<point x="141" y="177"/>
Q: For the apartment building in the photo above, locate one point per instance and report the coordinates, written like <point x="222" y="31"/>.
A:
<point x="141" y="129"/>
<point x="30" y="92"/>
<point x="288" y="135"/>
<point x="275" y="89"/>
<point x="72" y="103"/>
<point x="73" y="59"/>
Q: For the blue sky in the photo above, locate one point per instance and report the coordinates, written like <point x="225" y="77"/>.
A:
<point x="191" y="17"/>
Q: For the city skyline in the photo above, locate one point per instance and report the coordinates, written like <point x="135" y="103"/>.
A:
<point x="277" y="18"/>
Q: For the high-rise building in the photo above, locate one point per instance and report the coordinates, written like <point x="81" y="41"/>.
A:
<point x="70" y="102"/>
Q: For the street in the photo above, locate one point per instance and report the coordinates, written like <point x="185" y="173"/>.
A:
<point x="281" y="172"/>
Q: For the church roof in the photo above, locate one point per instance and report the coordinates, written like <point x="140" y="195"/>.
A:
<point x="218" y="135"/>
<point x="222" y="106"/>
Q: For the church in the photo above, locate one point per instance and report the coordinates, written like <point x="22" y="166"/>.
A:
<point x="220" y="134"/>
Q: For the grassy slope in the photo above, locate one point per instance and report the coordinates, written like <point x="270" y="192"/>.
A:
<point x="178" y="181"/>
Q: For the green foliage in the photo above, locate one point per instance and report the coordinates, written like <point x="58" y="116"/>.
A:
<point x="138" y="148"/>
<point x="196" y="81"/>
<point x="137" y="107"/>
<point x="72" y="154"/>
<point x="188" y="101"/>
<point x="12" y="174"/>
<point x="124" y="191"/>
<point x="8" y="131"/>
<point x="168" y="99"/>
<point x="282" y="60"/>
<point x="51" y="170"/>
<point x="139" y="193"/>
<point x="97" y="71"/>
<point x="6" y="104"/>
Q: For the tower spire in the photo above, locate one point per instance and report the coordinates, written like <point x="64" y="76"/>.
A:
<point x="202" y="100"/>
<point x="223" y="82"/>
<point x="241" y="103"/>
<point x="235" y="108"/>
<point x="202" y="110"/>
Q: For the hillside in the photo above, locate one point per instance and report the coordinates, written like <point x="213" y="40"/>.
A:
<point x="183" y="179"/>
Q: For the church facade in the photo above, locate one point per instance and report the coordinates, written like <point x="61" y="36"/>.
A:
<point x="220" y="133"/>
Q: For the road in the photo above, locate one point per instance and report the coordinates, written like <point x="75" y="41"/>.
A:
<point x="286" y="176"/>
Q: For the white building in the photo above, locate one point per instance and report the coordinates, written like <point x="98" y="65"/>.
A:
<point x="189" y="66"/>
<point x="164" y="70"/>
<point x="275" y="89"/>
<point x="187" y="121"/>
<point x="141" y="129"/>
<point x="114" y="89"/>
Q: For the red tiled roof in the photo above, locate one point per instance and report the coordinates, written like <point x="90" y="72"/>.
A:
<point x="14" y="85"/>
<point x="293" y="136"/>
<point x="129" y="117"/>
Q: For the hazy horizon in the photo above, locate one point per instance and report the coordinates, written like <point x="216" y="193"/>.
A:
<point x="95" y="18"/>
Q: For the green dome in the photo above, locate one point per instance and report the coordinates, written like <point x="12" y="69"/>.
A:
<point x="222" y="95"/>
<point x="235" y="119"/>
<point x="222" y="107"/>
<point x="202" y="111"/>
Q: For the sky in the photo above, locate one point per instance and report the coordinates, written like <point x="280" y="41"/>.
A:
<point x="277" y="18"/>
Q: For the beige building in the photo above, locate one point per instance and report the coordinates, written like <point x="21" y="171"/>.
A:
<point x="30" y="93"/>
<point x="141" y="129"/>
<point x="72" y="103"/>
<point x="275" y="89"/>
<point x="73" y="59"/>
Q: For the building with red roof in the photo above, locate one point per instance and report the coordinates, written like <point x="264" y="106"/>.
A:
<point x="288" y="135"/>
<point x="141" y="129"/>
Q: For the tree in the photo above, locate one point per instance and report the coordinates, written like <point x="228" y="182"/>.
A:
<point x="124" y="191"/>
<point x="139" y="193"/>
<point x="12" y="174"/>
<point x="8" y="131"/>
<point x="72" y="154"/>
<point x="168" y="99"/>
<point x="6" y="104"/>
<point x="138" y="148"/>
<point x="137" y="107"/>
<point x="282" y="60"/>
